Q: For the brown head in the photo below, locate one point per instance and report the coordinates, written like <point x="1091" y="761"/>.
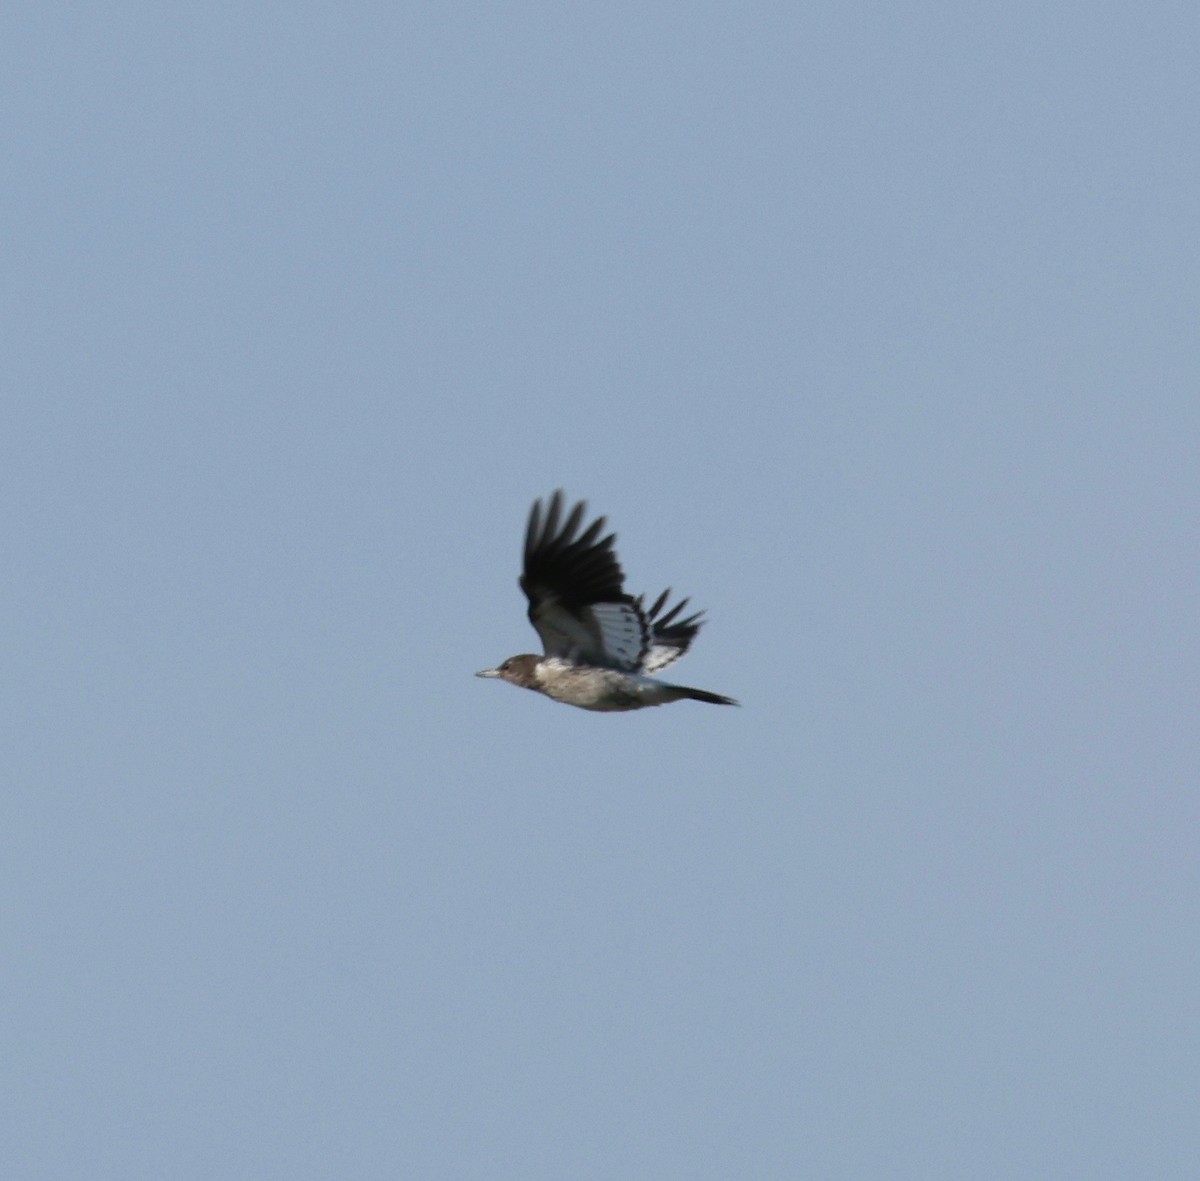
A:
<point x="517" y="670"/>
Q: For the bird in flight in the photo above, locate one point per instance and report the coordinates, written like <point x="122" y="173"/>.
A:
<point x="601" y="645"/>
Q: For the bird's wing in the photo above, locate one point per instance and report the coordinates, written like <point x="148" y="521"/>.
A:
<point x="670" y="638"/>
<point x="574" y="583"/>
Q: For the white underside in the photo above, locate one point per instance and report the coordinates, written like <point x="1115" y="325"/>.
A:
<point x="601" y="689"/>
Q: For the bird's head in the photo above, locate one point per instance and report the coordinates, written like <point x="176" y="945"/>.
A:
<point x="517" y="670"/>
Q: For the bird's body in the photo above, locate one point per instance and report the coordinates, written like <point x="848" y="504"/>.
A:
<point x="600" y="643"/>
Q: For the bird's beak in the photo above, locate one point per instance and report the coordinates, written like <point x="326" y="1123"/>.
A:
<point x="488" y="672"/>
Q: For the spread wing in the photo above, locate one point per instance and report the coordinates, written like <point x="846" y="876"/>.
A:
<point x="575" y="587"/>
<point x="670" y="638"/>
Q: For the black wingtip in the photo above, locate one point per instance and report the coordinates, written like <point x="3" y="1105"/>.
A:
<point x="575" y="568"/>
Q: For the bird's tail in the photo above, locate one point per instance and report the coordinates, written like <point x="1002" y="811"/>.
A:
<point x="702" y="695"/>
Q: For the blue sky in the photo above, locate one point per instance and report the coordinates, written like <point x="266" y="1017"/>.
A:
<point x="871" y="327"/>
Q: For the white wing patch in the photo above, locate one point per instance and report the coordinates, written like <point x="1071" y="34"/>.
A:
<point x="620" y="631"/>
<point x="613" y="634"/>
<point x="670" y="637"/>
<point x="661" y="655"/>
